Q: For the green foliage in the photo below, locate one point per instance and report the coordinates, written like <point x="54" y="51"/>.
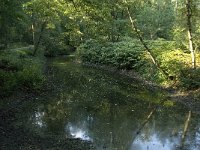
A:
<point x="31" y="76"/>
<point x="55" y="43"/>
<point x="174" y="60"/>
<point x="17" y="70"/>
<point x="129" y="54"/>
<point x="156" y="19"/>
<point x="61" y="26"/>
<point x="190" y="78"/>
<point x="8" y="82"/>
<point x="123" y="55"/>
<point x="11" y="18"/>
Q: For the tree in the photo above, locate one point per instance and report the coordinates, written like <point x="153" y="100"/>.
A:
<point x="139" y="36"/>
<point x="155" y="19"/>
<point x="189" y="28"/>
<point x="10" y="15"/>
<point x="42" y="14"/>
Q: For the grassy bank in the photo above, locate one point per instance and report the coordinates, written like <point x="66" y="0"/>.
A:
<point x="20" y="70"/>
<point x="130" y="55"/>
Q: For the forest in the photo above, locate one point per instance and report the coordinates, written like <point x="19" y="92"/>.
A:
<point x="155" y="42"/>
<point x="158" y="39"/>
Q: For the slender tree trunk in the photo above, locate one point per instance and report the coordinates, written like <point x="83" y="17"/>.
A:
<point x="135" y="29"/>
<point x="33" y="34"/>
<point x="33" y="28"/>
<point x="176" y="5"/>
<point x="190" y="37"/>
<point x="36" y="46"/>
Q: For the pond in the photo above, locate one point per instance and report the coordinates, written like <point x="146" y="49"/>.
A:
<point x="111" y="111"/>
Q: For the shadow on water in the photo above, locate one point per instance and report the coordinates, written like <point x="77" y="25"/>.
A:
<point x="111" y="111"/>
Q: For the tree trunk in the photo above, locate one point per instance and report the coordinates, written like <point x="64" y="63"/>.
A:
<point x="36" y="46"/>
<point x="135" y="29"/>
<point x="33" y="34"/>
<point x="190" y="37"/>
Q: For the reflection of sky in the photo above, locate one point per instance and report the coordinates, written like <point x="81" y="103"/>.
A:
<point x="153" y="143"/>
<point x="193" y="143"/>
<point x="78" y="132"/>
<point x="38" y="118"/>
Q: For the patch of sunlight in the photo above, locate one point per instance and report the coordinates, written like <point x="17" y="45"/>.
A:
<point x="71" y="55"/>
<point x="168" y="103"/>
<point x="61" y="63"/>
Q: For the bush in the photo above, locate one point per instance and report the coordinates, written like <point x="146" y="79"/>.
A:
<point x="31" y="76"/>
<point x="18" y="70"/>
<point x="130" y="54"/>
<point x="8" y="82"/>
<point x="190" y="78"/>
<point x="56" y="44"/>
<point x="123" y="55"/>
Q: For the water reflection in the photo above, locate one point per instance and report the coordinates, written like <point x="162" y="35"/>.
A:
<point x="108" y="110"/>
<point x="78" y="132"/>
<point x="38" y="119"/>
<point x="153" y="143"/>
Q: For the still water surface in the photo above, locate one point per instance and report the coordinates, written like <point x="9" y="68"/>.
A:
<point x="111" y="111"/>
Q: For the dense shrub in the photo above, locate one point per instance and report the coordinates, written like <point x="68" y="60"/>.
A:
<point x="124" y="55"/>
<point x="31" y="76"/>
<point x="130" y="54"/>
<point x="8" y="81"/>
<point x="55" y="44"/>
<point x="17" y="70"/>
<point x="55" y="49"/>
<point x="190" y="78"/>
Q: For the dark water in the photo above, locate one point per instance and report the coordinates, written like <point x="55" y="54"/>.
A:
<point x="110" y="110"/>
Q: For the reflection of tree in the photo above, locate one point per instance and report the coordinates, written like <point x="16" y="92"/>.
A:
<point x="116" y="105"/>
<point x="185" y="129"/>
<point x="192" y="140"/>
<point x="54" y="116"/>
<point x="108" y="109"/>
<point x="167" y="125"/>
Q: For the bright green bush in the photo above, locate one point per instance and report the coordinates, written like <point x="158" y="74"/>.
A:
<point x="123" y="55"/>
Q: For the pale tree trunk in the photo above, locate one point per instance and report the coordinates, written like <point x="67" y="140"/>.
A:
<point x="176" y="6"/>
<point x="33" y="34"/>
<point x="190" y="37"/>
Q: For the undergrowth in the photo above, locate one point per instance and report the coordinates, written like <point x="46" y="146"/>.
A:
<point x="18" y="69"/>
<point x="131" y="55"/>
